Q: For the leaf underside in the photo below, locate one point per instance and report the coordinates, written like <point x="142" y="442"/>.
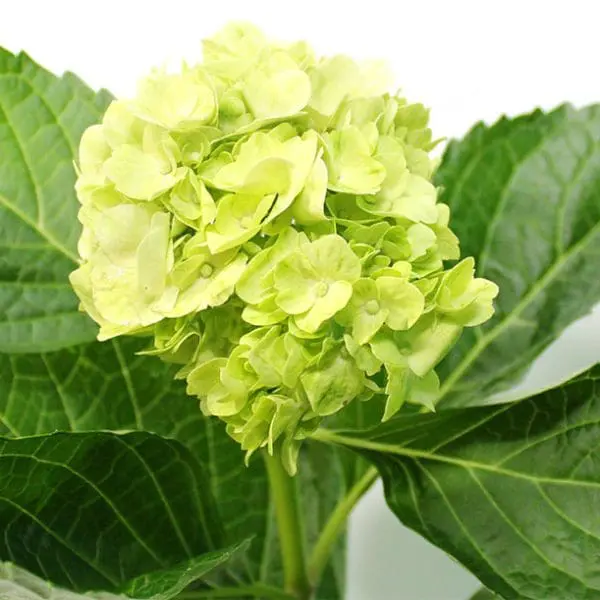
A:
<point x="509" y="490"/>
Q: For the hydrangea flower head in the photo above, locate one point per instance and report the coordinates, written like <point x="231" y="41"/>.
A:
<point x="267" y="219"/>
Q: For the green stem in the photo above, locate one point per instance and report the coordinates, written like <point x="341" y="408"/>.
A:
<point x="291" y="534"/>
<point x="258" y="590"/>
<point x="336" y="523"/>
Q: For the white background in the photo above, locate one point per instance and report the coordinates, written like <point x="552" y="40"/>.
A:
<point x="468" y="60"/>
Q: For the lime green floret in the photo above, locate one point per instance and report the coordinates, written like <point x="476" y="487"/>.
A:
<point x="267" y="219"/>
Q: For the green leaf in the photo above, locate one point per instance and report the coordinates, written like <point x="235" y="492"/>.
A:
<point x="525" y="201"/>
<point x="106" y="386"/>
<point x="167" y="584"/>
<point x="41" y="120"/>
<point x="91" y="511"/>
<point x="484" y="594"/>
<point x="508" y="490"/>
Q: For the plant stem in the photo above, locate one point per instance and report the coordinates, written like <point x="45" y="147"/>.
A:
<point x="291" y="534"/>
<point x="336" y="523"/>
<point x="258" y="590"/>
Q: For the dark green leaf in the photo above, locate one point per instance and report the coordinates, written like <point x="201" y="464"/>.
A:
<point x="94" y="510"/>
<point x="484" y="594"/>
<point x="41" y="120"/>
<point x="167" y="584"/>
<point x="525" y="200"/>
<point x="511" y="491"/>
<point x="107" y="386"/>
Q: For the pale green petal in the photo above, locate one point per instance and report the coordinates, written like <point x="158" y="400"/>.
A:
<point x="264" y="176"/>
<point x="336" y="296"/>
<point x="425" y="390"/>
<point x="350" y="163"/>
<point x="401" y="300"/>
<point x="204" y="378"/>
<point x="296" y="360"/>
<point x="372" y="235"/>
<point x="144" y="172"/>
<point x="366" y="324"/>
<point x="121" y="126"/>
<point x="388" y="350"/>
<point x="210" y="169"/>
<point x="176" y="101"/>
<point x="363" y="356"/>
<point x="366" y="312"/>
<point x="130" y="255"/>
<point x="195" y="144"/>
<point x="191" y="202"/>
<point x="331" y="82"/>
<point x="256" y="285"/>
<point x="429" y="341"/>
<point x="465" y="299"/>
<point x="421" y="239"/>
<point x="257" y="161"/>
<point x="238" y="218"/>
<point x="345" y="209"/>
<point x="301" y="152"/>
<point x="309" y="206"/>
<point x="81" y="281"/>
<point x="404" y="386"/>
<point x="416" y="201"/>
<point x="396" y="243"/>
<point x="205" y="281"/>
<point x="267" y="358"/>
<point x="279" y="94"/>
<point x="237" y="38"/>
<point x="265" y="313"/>
<point x="391" y="154"/>
<point x="138" y="175"/>
<point x="301" y="334"/>
<point x="295" y="281"/>
<point x="397" y="390"/>
<point x="285" y="420"/>
<point x="332" y="384"/>
<point x="332" y="259"/>
<point x="94" y="151"/>
<point x="152" y="258"/>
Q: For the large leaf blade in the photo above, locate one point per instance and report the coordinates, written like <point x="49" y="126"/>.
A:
<point x="525" y="200"/>
<point x="510" y="490"/>
<point x="41" y="120"/>
<point x="76" y="507"/>
<point x="19" y="584"/>
<point x="107" y="386"/>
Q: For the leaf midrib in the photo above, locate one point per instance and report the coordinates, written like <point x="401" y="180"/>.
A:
<point x="101" y="494"/>
<point x="331" y="437"/>
<point x="490" y="335"/>
<point x="52" y="241"/>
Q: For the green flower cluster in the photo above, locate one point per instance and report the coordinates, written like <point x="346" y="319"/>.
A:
<point x="269" y="219"/>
